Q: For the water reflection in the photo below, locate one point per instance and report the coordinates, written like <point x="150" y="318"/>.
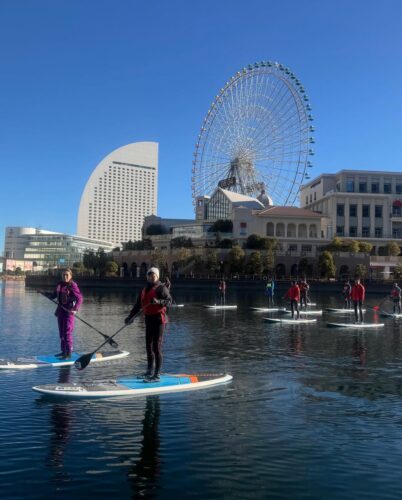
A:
<point x="60" y="423"/>
<point x="360" y="348"/>
<point x="146" y="471"/>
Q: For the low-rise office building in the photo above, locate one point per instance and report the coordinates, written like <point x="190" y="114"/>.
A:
<point x="40" y="249"/>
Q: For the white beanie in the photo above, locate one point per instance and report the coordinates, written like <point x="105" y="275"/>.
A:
<point x="154" y="270"/>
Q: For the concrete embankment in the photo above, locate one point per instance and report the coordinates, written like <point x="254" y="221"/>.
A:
<point x="333" y="287"/>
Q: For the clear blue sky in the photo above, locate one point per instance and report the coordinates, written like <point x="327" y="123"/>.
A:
<point x="80" y="78"/>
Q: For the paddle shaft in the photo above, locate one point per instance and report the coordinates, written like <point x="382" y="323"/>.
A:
<point x="84" y="360"/>
<point x="113" y="343"/>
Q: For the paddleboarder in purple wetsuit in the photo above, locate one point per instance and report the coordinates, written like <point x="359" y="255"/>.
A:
<point x="69" y="297"/>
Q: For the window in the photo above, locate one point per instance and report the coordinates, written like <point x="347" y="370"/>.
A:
<point x="366" y="211"/>
<point x="375" y="187"/>
<point x="396" y="211"/>
<point x="387" y="187"/>
<point x="352" y="231"/>
<point x="398" y="189"/>
<point x="340" y="210"/>
<point x="353" y="210"/>
<point x="306" y="248"/>
<point x="292" y="248"/>
<point x="378" y="211"/>
<point x="378" y="232"/>
<point x="306" y="200"/>
<point x="350" y="185"/>
<point x="340" y="231"/>
<point x="366" y="232"/>
<point x="362" y="187"/>
<point x="315" y="195"/>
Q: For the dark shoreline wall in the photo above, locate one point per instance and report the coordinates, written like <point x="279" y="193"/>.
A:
<point x="40" y="281"/>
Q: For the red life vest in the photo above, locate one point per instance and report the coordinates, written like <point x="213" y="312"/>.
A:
<point x="395" y="293"/>
<point x="152" y="309"/>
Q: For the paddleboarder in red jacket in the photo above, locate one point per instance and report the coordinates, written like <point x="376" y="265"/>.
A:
<point x="358" y="295"/>
<point x="293" y="294"/>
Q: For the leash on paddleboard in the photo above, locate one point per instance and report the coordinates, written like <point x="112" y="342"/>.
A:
<point x="108" y="339"/>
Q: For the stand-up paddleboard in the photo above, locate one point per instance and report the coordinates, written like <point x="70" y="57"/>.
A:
<point x="341" y="311"/>
<point x="309" y="304"/>
<point x="390" y="315"/>
<point x="268" y="309"/>
<point x="133" y="386"/>
<point x="176" y="305"/>
<point x="27" y="363"/>
<point x="355" y="325"/>
<point x="217" y="306"/>
<point x="299" y="321"/>
<point x="310" y="312"/>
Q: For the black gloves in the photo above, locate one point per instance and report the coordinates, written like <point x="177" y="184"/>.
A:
<point x="128" y="320"/>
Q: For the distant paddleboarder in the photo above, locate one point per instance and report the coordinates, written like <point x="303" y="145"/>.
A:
<point x="358" y="295"/>
<point x="347" y="295"/>
<point x="293" y="294"/>
<point x="69" y="300"/>
<point x="396" y="298"/>
<point x="222" y="291"/>
<point x="269" y="291"/>
<point x="304" y="289"/>
<point x="152" y="300"/>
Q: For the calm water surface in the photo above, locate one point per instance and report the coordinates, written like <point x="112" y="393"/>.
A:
<point x="311" y="413"/>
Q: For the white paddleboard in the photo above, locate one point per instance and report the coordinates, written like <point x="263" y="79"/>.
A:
<point x="355" y="325"/>
<point x="176" y="305"/>
<point x="27" y="363"/>
<point x="268" y="309"/>
<point x="341" y="311"/>
<point x="390" y="315"/>
<point x="291" y="321"/>
<point x="215" y="306"/>
<point x="309" y="304"/>
<point x="307" y="313"/>
<point x="133" y="386"/>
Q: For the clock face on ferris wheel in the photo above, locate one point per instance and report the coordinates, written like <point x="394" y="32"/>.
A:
<point x="256" y="136"/>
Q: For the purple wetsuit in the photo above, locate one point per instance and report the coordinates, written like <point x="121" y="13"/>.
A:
<point x="69" y="297"/>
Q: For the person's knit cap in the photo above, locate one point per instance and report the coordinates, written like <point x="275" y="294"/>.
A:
<point x="154" y="270"/>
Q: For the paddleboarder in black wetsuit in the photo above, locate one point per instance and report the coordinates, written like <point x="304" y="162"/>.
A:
<point x="152" y="300"/>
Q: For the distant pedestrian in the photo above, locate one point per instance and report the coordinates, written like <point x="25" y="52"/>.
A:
<point x="304" y="289"/>
<point x="269" y="291"/>
<point x="293" y="294"/>
<point x="358" y="295"/>
<point x="347" y="295"/>
<point x="222" y="291"/>
<point x="69" y="300"/>
<point x="396" y="298"/>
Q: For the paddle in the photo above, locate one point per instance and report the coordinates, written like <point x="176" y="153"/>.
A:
<point x="377" y="308"/>
<point x="83" y="361"/>
<point x="110" y="341"/>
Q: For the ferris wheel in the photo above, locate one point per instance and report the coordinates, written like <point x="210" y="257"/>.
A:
<point x="256" y="136"/>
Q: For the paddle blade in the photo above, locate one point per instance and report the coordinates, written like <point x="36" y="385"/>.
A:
<point x="113" y="343"/>
<point x="83" y="361"/>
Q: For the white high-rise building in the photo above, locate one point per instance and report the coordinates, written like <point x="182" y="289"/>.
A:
<point x="120" y="192"/>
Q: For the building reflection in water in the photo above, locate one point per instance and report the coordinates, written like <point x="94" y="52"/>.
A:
<point x="145" y="472"/>
<point x="60" y="420"/>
